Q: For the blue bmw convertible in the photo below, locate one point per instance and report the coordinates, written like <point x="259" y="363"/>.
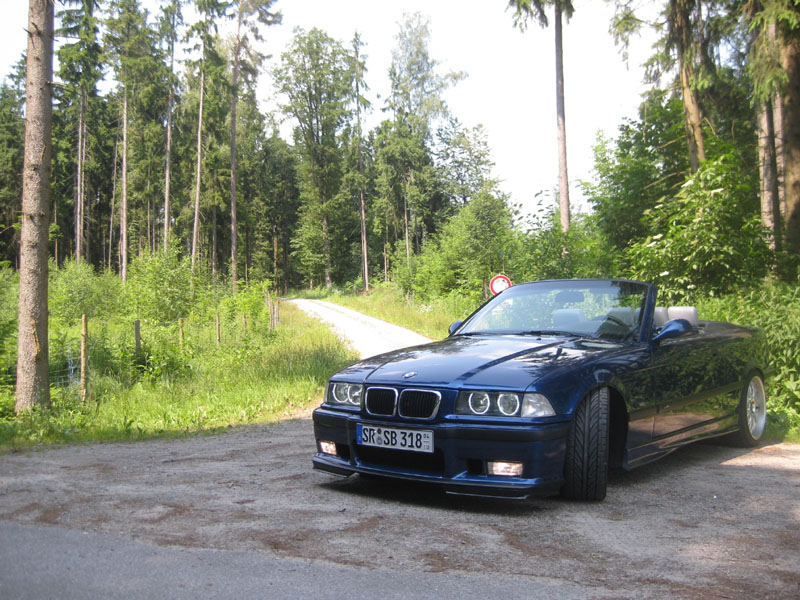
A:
<point x="543" y="389"/>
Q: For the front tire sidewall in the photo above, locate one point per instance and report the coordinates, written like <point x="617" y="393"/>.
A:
<point x="586" y="459"/>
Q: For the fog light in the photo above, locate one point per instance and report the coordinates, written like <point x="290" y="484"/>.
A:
<point x="328" y="448"/>
<point x="505" y="469"/>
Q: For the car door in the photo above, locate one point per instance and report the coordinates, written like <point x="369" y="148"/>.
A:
<point x="685" y="384"/>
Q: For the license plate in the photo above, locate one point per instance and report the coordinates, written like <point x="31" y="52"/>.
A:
<point x="417" y="440"/>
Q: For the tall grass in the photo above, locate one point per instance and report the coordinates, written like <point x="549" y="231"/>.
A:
<point x="254" y="376"/>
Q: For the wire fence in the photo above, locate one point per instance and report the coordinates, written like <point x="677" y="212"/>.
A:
<point x="71" y="360"/>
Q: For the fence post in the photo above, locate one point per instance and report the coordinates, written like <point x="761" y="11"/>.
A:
<point x="268" y="302"/>
<point x="84" y="356"/>
<point x="137" y="332"/>
<point x="180" y="333"/>
<point x="219" y="333"/>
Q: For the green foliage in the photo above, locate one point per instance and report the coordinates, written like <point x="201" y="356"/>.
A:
<point x="473" y="246"/>
<point x="709" y="236"/>
<point x="9" y="288"/>
<point x="774" y="307"/>
<point x="161" y="287"/>
<point x="76" y="289"/>
<point x="549" y="253"/>
<point x="255" y="375"/>
<point x="644" y="164"/>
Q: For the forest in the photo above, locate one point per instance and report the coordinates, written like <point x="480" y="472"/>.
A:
<point x="171" y="179"/>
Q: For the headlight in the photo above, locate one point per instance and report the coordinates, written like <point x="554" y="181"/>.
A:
<point x="345" y="393"/>
<point x="503" y="404"/>
<point x="479" y="402"/>
<point x="508" y="404"/>
<point x="536" y="405"/>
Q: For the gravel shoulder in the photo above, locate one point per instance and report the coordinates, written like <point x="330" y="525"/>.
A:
<point x="708" y="521"/>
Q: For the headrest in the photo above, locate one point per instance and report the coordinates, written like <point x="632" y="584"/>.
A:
<point x="660" y="316"/>
<point x="684" y="312"/>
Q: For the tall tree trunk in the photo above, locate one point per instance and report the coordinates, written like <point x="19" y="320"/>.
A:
<point x="80" y="196"/>
<point x="364" y="261"/>
<point x="405" y="223"/>
<point x="33" y="378"/>
<point x="275" y="271"/>
<point x="679" y="16"/>
<point x="693" y="119"/>
<point x="780" y="159"/>
<point x="790" y="57"/>
<point x="768" y="171"/>
<point x="214" y="240"/>
<point x="123" y="209"/>
<point x="196" y="226"/>
<point x="168" y="152"/>
<point x="563" y="179"/>
<point x="326" y="249"/>
<point x="234" y="102"/>
<point x="168" y="168"/>
<point x="113" y="203"/>
<point x="386" y="255"/>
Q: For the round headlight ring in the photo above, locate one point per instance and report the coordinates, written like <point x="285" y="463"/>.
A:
<point x="354" y="394"/>
<point x="339" y="393"/>
<point x="508" y="404"/>
<point x="479" y="402"/>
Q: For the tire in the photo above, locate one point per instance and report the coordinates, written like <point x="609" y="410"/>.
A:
<point x="752" y="412"/>
<point x="586" y="464"/>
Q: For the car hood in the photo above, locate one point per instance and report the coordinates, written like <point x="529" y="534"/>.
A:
<point x="494" y="361"/>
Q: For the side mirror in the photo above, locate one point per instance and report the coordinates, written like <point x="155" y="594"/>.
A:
<point x="673" y="329"/>
<point x="454" y="325"/>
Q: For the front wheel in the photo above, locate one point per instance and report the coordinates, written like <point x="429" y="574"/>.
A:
<point x="586" y="464"/>
<point x="752" y="413"/>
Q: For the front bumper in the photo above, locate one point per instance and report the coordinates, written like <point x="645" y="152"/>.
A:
<point x="459" y="460"/>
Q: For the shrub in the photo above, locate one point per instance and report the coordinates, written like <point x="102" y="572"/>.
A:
<point x="708" y="237"/>
<point x="161" y="287"/>
<point x="775" y="308"/>
<point x="75" y="289"/>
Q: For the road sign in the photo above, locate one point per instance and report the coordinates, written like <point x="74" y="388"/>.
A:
<point x="499" y="283"/>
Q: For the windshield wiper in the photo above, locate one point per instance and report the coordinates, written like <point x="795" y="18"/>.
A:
<point x="554" y="332"/>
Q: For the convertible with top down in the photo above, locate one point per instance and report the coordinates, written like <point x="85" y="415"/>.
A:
<point x="542" y="389"/>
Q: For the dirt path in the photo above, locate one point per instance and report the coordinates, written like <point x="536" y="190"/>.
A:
<point x="368" y="335"/>
<point x="708" y="521"/>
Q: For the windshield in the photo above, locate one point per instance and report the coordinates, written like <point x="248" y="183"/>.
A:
<point x="593" y="308"/>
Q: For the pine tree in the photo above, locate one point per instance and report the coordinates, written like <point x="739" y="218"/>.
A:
<point x="33" y="380"/>
<point x="535" y="9"/>
<point x="249" y="15"/>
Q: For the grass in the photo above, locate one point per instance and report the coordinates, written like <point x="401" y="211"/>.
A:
<point x="255" y="377"/>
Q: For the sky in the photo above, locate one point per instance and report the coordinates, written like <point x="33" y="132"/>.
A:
<point x="510" y="84"/>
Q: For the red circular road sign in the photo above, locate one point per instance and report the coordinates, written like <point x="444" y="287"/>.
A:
<point x="499" y="283"/>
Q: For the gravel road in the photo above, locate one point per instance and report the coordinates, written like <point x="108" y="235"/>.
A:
<point x="708" y="521"/>
<point x="367" y="335"/>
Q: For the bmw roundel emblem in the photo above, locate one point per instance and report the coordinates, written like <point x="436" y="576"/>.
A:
<point x="410" y="374"/>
